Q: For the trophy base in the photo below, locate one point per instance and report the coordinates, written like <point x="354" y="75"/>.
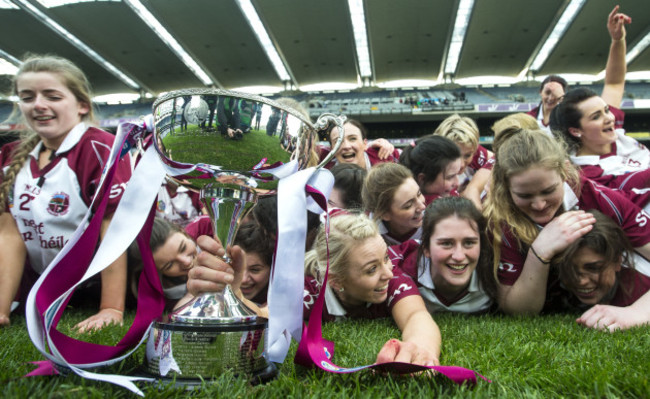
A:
<point x="187" y="354"/>
<point x="268" y="374"/>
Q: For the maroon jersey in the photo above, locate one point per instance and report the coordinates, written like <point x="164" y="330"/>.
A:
<point x="429" y="198"/>
<point x="632" y="219"/>
<point x="201" y="226"/>
<point x="49" y="204"/>
<point x="399" y="287"/>
<point x="481" y="159"/>
<point x="626" y="167"/>
<point x="390" y="239"/>
<point x="406" y="257"/>
<point x="632" y="285"/>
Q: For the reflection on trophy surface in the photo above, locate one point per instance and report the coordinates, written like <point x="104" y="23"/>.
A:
<point x="223" y="142"/>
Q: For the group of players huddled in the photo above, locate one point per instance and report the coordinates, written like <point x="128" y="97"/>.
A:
<point x="553" y="219"/>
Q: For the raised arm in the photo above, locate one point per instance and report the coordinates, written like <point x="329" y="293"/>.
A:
<point x="385" y="148"/>
<point x="616" y="66"/>
<point x="12" y="264"/>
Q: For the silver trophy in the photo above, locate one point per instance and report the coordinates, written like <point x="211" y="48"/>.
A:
<point x="222" y="144"/>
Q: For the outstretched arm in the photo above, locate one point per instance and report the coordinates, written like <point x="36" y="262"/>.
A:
<point x="111" y="305"/>
<point x="616" y="66"/>
<point x="612" y="318"/>
<point x="421" y="340"/>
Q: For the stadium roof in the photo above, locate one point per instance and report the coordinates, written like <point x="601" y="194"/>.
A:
<point x="198" y="43"/>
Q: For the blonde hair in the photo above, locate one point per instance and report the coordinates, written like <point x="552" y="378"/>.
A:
<point x="380" y="185"/>
<point x="510" y="122"/>
<point x="459" y="129"/>
<point x="346" y="232"/>
<point x="524" y="150"/>
<point x="74" y="79"/>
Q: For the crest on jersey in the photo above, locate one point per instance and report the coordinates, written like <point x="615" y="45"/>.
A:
<point x="59" y="204"/>
<point x="160" y="206"/>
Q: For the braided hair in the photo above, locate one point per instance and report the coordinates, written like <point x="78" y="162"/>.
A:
<point x="74" y="79"/>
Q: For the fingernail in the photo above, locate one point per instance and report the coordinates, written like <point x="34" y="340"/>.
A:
<point x="228" y="278"/>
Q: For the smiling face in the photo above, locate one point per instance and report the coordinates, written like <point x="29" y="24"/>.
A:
<point x="552" y="94"/>
<point x="445" y="182"/>
<point x="368" y="273"/>
<point x="49" y="107"/>
<point x="352" y="148"/>
<point x="596" y="130"/>
<point x="454" y="249"/>
<point x="256" y="277"/>
<point x="538" y="192"/>
<point x="406" y="209"/>
<point x="596" y="278"/>
<point x="176" y="256"/>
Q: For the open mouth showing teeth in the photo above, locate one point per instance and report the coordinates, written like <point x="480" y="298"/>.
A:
<point x="348" y="156"/>
<point x="585" y="290"/>
<point x="43" y="118"/>
<point x="457" y="267"/>
<point x="382" y="289"/>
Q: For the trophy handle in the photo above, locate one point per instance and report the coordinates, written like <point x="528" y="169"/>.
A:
<point x="322" y="123"/>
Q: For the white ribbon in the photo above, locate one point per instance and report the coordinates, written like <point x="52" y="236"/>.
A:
<point x="286" y="286"/>
<point x="127" y="221"/>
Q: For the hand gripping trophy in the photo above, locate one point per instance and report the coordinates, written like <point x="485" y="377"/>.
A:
<point x="227" y="146"/>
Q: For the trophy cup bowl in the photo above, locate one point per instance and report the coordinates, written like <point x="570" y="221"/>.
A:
<point x="223" y="142"/>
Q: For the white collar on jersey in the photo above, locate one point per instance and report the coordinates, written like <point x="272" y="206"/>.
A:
<point x="334" y="306"/>
<point x="424" y="276"/>
<point x="570" y="198"/>
<point x="73" y="137"/>
<point x="595" y="159"/>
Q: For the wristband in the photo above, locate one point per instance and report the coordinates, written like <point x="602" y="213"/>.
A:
<point x="543" y="260"/>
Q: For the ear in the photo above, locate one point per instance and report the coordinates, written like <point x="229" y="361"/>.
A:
<point x="618" y="266"/>
<point x="334" y="283"/>
<point x="421" y="178"/>
<point x="84" y="109"/>
<point x="426" y="252"/>
<point x="575" y="132"/>
<point x="365" y="144"/>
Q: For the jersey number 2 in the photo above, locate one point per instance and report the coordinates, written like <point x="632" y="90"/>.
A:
<point x="24" y="200"/>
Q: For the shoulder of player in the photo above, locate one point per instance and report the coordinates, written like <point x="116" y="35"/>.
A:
<point x="6" y="152"/>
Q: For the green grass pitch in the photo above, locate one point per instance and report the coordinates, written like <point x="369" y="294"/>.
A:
<point x="542" y="357"/>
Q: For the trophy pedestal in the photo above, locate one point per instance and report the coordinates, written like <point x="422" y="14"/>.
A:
<point x="211" y="334"/>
